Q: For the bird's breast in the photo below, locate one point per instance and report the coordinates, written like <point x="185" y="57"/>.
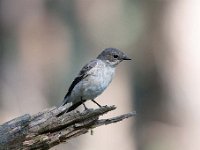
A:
<point x="105" y="77"/>
<point x="96" y="82"/>
<point x="100" y="79"/>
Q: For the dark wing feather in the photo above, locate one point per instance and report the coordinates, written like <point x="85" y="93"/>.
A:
<point x="82" y="74"/>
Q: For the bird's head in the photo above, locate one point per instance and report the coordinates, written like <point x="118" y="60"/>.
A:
<point x="112" y="56"/>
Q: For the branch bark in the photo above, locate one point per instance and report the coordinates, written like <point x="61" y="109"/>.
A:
<point x="45" y="129"/>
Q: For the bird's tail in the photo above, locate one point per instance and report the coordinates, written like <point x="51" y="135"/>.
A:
<point x="71" y="106"/>
<point x="74" y="106"/>
<point x="65" y="101"/>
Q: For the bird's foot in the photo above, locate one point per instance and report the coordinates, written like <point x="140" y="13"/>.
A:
<point x="96" y="102"/>
<point x="85" y="106"/>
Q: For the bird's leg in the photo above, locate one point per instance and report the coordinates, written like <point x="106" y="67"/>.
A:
<point x="85" y="106"/>
<point x="95" y="102"/>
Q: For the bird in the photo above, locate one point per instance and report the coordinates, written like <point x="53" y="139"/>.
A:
<point x="93" y="78"/>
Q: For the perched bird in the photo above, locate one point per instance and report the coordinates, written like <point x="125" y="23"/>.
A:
<point x="93" y="78"/>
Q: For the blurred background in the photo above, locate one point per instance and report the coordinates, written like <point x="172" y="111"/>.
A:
<point x="44" y="43"/>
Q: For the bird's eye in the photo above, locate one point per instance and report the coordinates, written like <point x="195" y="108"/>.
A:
<point x="115" y="56"/>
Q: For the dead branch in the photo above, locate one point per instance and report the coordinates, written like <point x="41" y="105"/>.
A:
<point x="45" y="129"/>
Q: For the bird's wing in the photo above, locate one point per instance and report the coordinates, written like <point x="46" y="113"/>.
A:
<point x="82" y="74"/>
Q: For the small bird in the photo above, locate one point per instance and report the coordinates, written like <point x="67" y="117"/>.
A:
<point x="93" y="78"/>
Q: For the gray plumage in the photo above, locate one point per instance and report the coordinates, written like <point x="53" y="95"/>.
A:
<point x="94" y="78"/>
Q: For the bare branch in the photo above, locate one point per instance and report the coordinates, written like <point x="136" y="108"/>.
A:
<point x="45" y="129"/>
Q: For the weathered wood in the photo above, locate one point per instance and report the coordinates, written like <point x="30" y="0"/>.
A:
<point x="45" y="129"/>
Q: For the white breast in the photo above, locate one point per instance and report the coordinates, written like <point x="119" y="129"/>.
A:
<point x="105" y="76"/>
<point x="98" y="81"/>
<point x="94" y="84"/>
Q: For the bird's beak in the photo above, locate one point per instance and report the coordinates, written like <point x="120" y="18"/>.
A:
<point x="126" y="58"/>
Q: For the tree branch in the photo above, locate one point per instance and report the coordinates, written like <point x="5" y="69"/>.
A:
<point x="45" y="129"/>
